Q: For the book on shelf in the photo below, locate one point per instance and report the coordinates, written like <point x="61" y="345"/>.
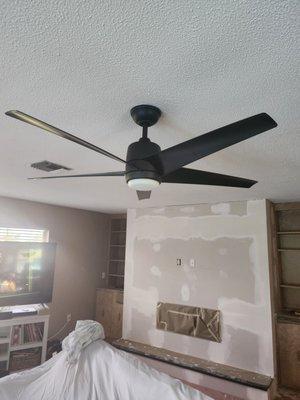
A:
<point x="16" y="336"/>
<point x="28" y="333"/>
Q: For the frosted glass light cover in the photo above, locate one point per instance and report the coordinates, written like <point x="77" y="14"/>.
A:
<point x="143" y="184"/>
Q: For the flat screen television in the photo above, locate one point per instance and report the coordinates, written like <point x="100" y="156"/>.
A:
<point x="26" y="273"/>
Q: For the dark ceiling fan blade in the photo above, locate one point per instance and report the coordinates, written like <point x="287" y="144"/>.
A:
<point x="143" y="194"/>
<point x="116" y="173"/>
<point x="185" y="153"/>
<point x="197" y="177"/>
<point x="52" y="129"/>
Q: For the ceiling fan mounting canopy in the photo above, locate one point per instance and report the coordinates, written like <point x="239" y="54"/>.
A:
<point x="145" y="115"/>
<point x="146" y="165"/>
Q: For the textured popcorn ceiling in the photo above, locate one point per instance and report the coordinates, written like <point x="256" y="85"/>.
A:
<point x="81" y="65"/>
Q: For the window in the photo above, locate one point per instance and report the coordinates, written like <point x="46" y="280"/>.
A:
<point x="23" y="235"/>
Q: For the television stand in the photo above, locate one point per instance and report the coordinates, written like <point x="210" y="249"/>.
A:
<point x="13" y="312"/>
<point x="5" y="315"/>
<point x="23" y="338"/>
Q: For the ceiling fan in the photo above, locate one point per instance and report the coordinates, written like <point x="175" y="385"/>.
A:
<point x="147" y="166"/>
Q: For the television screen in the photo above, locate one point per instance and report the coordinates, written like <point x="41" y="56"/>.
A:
<point x="26" y="272"/>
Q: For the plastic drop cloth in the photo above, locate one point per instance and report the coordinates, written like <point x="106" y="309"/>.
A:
<point x="85" y="333"/>
<point x="90" y="369"/>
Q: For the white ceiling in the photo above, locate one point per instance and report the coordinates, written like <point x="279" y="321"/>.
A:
<point x="81" y="65"/>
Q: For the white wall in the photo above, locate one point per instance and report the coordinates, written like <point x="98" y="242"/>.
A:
<point x="229" y="243"/>
<point x="81" y="253"/>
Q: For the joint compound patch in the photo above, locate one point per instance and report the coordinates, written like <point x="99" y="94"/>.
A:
<point x="155" y="270"/>
<point x="221" y="208"/>
<point x="185" y="293"/>
<point x="156" y="247"/>
<point x="223" y="251"/>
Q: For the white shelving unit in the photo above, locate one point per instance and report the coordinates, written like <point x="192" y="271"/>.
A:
<point x="6" y="329"/>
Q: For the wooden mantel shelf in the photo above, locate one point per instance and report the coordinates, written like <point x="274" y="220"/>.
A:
<point x="244" y="377"/>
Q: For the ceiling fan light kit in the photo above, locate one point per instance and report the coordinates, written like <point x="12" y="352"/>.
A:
<point x="147" y="166"/>
<point x="143" y="184"/>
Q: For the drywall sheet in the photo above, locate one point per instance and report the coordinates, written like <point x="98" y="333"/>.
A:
<point x="224" y="266"/>
<point x="191" y="321"/>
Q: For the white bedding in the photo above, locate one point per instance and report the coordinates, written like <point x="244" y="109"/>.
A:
<point x="101" y="372"/>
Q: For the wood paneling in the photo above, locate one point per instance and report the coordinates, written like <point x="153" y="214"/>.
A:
<point x="288" y="220"/>
<point x="274" y="261"/>
<point x="109" y="312"/>
<point x="284" y="252"/>
<point x="284" y="233"/>
<point x="289" y="354"/>
<point x="116" y="262"/>
<point x="287" y="206"/>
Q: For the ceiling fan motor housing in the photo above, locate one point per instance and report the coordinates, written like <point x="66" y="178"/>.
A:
<point x="137" y="166"/>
